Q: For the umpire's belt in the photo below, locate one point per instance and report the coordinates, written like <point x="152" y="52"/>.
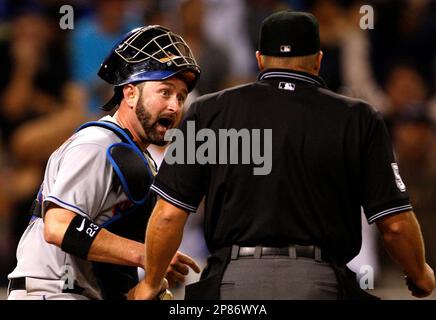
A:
<point x="291" y="251"/>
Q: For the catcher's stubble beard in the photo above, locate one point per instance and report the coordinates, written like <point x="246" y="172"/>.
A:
<point x="144" y="117"/>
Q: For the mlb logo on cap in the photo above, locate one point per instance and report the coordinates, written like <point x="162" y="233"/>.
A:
<point x="285" y="48"/>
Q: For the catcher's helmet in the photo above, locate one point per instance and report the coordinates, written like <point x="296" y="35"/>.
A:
<point x="147" y="54"/>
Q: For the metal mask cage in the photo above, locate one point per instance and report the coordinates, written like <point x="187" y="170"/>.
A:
<point x="166" y="47"/>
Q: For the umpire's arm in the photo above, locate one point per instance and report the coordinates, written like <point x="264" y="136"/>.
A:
<point x="403" y="239"/>
<point x="163" y="237"/>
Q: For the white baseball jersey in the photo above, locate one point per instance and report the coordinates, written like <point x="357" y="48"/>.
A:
<point x="78" y="177"/>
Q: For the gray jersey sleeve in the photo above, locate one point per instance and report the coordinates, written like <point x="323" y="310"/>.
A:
<point x="79" y="180"/>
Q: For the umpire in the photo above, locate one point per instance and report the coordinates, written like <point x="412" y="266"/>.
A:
<point x="290" y="233"/>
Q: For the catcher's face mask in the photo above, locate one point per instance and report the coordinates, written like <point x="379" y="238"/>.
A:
<point x="148" y="54"/>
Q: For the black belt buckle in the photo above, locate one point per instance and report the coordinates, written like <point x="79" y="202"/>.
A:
<point x="271" y="251"/>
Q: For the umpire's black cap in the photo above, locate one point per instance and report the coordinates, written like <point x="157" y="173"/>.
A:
<point x="289" y="34"/>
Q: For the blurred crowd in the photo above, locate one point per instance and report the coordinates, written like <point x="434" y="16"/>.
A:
<point x="49" y="85"/>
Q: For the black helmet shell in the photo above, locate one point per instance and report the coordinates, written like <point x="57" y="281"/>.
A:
<point x="148" y="54"/>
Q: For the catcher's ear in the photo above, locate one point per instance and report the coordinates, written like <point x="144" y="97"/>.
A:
<point x="130" y="95"/>
<point x="128" y="91"/>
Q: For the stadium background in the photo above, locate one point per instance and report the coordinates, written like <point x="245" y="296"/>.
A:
<point x="48" y="86"/>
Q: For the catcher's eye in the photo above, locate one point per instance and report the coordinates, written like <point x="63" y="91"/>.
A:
<point x="165" y="92"/>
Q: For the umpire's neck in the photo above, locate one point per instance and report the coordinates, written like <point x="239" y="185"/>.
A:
<point x="310" y="64"/>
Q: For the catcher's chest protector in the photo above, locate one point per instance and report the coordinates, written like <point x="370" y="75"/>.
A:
<point x="135" y="175"/>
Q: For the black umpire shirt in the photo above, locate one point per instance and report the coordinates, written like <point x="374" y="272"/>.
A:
<point x="330" y="155"/>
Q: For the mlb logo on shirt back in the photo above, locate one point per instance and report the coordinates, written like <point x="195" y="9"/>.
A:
<point x="287" y="86"/>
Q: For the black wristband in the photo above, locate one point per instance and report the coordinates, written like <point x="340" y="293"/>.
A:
<point x="79" y="236"/>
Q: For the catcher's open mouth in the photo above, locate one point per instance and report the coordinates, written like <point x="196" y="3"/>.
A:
<point x="165" y="122"/>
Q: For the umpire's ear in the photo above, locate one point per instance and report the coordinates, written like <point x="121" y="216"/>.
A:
<point x="318" y="61"/>
<point x="259" y="61"/>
